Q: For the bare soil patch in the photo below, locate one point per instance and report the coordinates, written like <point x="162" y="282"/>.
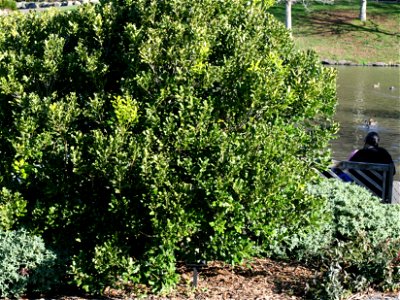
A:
<point x="346" y="22"/>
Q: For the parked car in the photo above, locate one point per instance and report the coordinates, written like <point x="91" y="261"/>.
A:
<point x="21" y="5"/>
<point x="30" y="5"/>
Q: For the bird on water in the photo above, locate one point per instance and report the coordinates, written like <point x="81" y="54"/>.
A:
<point x="370" y="123"/>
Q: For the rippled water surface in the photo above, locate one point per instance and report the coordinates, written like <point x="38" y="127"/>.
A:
<point x="368" y="93"/>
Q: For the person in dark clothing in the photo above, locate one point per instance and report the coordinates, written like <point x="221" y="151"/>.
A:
<point x="371" y="153"/>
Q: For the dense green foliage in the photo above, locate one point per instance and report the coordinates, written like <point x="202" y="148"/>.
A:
<point x="357" y="243"/>
<point x="144" y="132"/>
<point x="8" y="4"/>
<point x="25" y="264"/>
<point x="12" y="209"/>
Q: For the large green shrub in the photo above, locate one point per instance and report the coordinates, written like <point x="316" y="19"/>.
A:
<point x="157" y="131"/>
<point x="25" y="264"/>
<point x="356" y="244"/>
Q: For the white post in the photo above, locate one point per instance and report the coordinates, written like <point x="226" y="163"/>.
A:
<point x="289" y="16"/>
<point x="363" y="10"/>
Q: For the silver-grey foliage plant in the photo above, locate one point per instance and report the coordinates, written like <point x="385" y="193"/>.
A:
<point x="25" y="264"/>
<point x="356" y="243"/>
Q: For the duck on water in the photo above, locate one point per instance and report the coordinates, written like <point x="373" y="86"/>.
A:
<point x="370" y="123"/>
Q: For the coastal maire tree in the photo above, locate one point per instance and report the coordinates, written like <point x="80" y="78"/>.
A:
<point x="145" y="132"/>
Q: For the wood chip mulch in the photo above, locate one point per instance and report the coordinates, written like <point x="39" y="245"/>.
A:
<point x="259" y="279"/>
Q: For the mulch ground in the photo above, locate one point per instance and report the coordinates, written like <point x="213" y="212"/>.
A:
<point x="260" y="279"/>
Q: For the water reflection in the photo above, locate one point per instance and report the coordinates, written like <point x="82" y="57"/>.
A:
<point x="368" y="95"/>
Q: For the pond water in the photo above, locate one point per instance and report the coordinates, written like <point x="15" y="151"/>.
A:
<point x="368" y="95"/>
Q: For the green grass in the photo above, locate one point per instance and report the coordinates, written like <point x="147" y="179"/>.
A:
<point x="8" y="4"/>
<point x="335" y="32"/>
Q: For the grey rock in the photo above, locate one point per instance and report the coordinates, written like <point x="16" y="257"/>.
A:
<point x="328" y="62"/>
<point x="344" y="62"/>
<point x="379" y="64"/>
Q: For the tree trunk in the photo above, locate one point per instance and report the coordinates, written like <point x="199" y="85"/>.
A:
<point x="289" y="16"/>
<point x="363" y="10"/>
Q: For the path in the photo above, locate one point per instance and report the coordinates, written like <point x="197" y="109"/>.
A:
<point x="396" y="192"/>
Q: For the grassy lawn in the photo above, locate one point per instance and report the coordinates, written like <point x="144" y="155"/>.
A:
<point x="335" y="32"/>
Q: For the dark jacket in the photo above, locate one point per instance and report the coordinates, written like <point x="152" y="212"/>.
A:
<point x="377" y="155"/>
<point x="371" y="154"/>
